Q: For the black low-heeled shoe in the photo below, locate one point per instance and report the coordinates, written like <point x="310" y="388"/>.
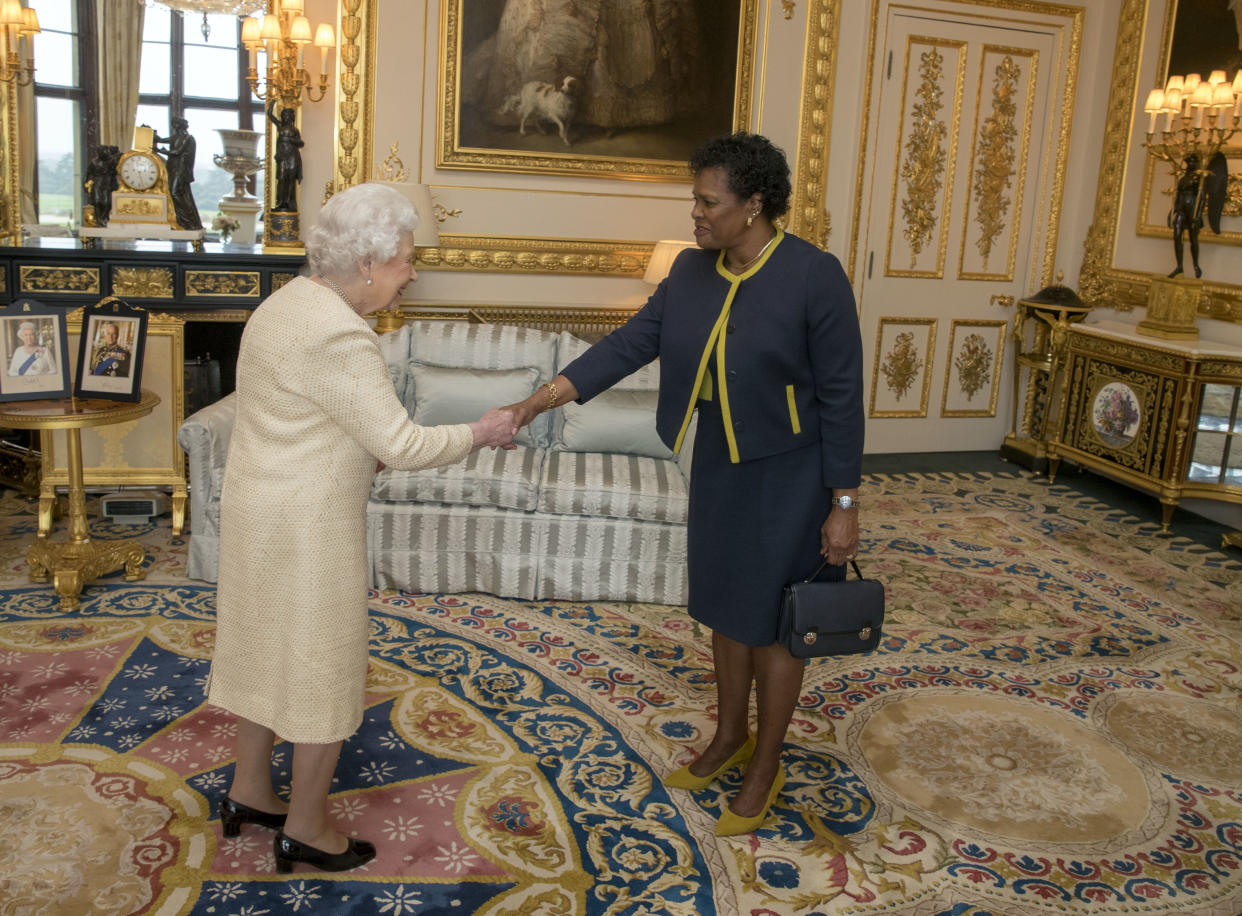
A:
<point x="288" y="851"/>
<point x="234" y="814"/>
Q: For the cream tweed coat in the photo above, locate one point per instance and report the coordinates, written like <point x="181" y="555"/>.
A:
<point x="315" y="409"/>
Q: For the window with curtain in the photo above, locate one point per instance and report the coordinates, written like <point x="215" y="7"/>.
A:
<point x="184" y="73"/>
<point x="195" y="68"/>
<point x="65" y="111"/>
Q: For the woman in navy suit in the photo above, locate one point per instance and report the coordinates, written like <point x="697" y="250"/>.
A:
<point x="757" y="330"/>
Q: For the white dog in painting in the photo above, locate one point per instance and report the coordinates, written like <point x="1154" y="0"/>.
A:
<point x="545" y="102"/>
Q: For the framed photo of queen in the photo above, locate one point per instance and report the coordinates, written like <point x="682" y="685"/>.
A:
<point x="114" y="337"/>
<point x="33" y="350"/>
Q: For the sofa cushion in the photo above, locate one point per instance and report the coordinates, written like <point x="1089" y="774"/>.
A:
<point x="449" y="395"/>
<point x="616" y="486"/>
<point x="395" y="346"/>
<point x="645" y="379"/>
<point x="618" y="420"/>
<point x="489" y="477"/>
<point x="461" y="345"/>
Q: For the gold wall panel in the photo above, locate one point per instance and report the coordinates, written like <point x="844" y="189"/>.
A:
<point x="139" y="453"/>
<point x="10" y="175"/>
<point x="972" y="376"/>
<point x="1001" y="147"/>
<point x="902" y="371"/>
<point x="223" y="283"/>
<point x="37" y="280"/>
<point x="926" y="161"/>
<point x="143" y="282"/>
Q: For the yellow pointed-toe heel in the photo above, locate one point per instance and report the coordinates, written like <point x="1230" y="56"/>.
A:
<point x="684" y="779"/>
<point x="731" y="824"/>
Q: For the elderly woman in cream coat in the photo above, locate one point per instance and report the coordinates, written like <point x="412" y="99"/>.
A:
<point x="315" y="410"/>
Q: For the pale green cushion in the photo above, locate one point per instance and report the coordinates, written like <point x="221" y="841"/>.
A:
<point x="444" y="395"/>
<point x="620" y="421"/>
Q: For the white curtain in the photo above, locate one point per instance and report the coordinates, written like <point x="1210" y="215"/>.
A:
<point x="120" y="54"/>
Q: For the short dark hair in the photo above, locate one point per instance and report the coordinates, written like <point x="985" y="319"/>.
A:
<point x="754" y="166"/>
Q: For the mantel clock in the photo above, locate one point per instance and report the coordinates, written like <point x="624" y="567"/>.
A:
<point x="142" y="197"/>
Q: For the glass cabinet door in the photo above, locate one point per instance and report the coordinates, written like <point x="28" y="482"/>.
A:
<point x="1217" y="454"/>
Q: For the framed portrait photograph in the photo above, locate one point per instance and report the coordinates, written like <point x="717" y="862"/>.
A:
<point x="591" y="88"/>
<point x="33" y="348"/>
<point x="113" y="341"/>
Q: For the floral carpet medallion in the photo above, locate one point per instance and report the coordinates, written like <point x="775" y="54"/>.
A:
<point x="1052" y="726"/>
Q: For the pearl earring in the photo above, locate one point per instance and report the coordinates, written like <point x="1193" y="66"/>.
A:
<point x="368" y="281"/>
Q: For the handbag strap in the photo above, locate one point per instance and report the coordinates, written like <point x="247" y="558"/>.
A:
<point x="823" y="566"/>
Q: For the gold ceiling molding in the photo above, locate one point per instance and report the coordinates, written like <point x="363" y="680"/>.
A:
<point x="1101" y="283"/>
<point x="354" y="153"/>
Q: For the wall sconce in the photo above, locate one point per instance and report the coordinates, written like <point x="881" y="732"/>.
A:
<point x="284" y="34"/>
<point x="20" y="26"/>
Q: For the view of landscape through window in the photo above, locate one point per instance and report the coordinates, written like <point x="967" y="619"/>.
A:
<point x="183" y="74"/>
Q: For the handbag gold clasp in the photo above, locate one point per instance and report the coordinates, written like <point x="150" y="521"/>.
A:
<point x="810" y="638"/>
<point x="864" y="634"/>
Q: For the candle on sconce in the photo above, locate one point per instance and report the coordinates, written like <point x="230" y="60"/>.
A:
<point x="250" y="38"/>
<point x="1155" y="104"/>
<point x="325" y="41"/>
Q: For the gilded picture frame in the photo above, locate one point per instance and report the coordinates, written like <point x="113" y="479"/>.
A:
<point x="803" y="132"/>
<point x="1198" y="37"/>
<point x="1102" y="282"/>
<point x="542" y="88"/>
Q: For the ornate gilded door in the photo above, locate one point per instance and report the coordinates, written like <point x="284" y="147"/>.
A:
<point x="959" y="193"/>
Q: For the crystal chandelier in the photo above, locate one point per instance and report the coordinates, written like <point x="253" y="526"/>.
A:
<point x="225" y="7"/>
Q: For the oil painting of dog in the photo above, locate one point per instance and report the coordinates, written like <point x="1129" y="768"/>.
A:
<point x="545" y="103"/>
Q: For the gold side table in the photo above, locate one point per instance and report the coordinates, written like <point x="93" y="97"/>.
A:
<point x="72" y="564"/>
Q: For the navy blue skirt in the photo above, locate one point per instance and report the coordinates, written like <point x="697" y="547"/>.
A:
<point x="754" y="528"/>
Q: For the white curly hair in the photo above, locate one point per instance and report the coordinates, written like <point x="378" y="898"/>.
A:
<point x="365" y="221"/>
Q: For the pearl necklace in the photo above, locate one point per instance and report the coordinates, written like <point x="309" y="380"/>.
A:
<point x="340" y="292"/>
<point x="742" y="269"/>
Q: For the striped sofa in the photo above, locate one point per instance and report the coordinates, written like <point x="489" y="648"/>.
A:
<point x="589" y="506"/>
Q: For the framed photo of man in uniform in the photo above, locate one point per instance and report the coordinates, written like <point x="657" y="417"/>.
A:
<point x="33" y="352"/>
<point x="113" y="340"/>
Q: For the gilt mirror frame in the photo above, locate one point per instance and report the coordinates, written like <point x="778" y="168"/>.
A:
<point x="1102" y="282"/>
<point x="818" y="22"/>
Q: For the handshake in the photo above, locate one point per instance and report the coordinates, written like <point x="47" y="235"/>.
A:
<point x="498" y="426"/>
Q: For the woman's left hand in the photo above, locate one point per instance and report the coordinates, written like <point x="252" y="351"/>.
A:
<point x="838" y="538"/>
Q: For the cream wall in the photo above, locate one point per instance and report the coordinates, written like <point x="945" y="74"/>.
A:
<point x="533" y="205"/>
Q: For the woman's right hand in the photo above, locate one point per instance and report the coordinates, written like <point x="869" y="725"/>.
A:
<point x="495" y="428"/>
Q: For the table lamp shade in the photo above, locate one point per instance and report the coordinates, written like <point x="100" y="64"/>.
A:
<point x="662" y="257"/>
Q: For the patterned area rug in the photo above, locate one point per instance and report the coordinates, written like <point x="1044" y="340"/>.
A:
<point x="1053" y="726"/>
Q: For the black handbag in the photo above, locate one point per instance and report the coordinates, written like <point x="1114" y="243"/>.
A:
<point x="831" y="618"/>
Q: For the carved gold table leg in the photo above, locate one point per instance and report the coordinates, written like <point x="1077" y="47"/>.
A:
<point x="178" y="512"/>
<point x="72" y="564"/>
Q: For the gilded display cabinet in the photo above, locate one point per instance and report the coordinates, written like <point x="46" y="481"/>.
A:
<point x="1161" y="415"/>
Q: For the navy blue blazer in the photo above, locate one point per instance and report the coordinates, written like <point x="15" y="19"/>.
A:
<point x="779" y="344"/>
